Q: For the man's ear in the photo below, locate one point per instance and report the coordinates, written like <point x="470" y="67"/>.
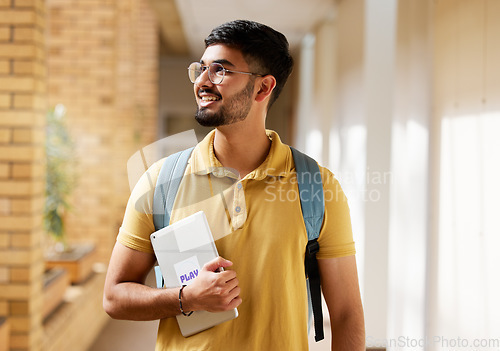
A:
<point x="266" y="87"/>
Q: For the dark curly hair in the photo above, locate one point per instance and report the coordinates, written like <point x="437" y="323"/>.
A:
<point x="265" y="49"/>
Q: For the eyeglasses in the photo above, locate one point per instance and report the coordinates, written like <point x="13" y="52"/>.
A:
<point x="216" y="72"/>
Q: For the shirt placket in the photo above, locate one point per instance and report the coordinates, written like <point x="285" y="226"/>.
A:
<point x="239" y="206"/>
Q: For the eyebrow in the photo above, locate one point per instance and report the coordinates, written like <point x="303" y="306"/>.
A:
<point x="223" y="62"/>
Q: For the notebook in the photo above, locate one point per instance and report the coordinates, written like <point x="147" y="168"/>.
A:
<point x="182" y="249"/>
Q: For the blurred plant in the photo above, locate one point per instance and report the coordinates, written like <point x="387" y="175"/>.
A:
<point x="60" y="175"/>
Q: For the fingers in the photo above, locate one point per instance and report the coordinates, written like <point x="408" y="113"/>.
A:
<point x="217" y="300"/>
<point x="227" y="276"/>
<point x="232" y="294"/>
<point x="229" y="300"/>
<point x="232" y="283"/>
<point x="217" y="263"/>
<point x="212" y="290"/>
<point x="234" y="303"/>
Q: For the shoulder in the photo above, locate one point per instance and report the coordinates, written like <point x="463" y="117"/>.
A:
<point x="331" y="186"/>
<point x="155" y="168"/>
<point x="328" y="177"/>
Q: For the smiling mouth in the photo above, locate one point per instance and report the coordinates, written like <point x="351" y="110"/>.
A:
<point x="210" y="98"/>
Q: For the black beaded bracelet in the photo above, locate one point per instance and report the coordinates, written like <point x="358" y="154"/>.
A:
<point x="180" y="302"/>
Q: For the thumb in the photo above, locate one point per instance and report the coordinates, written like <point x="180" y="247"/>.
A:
<point x="217" y="263"/>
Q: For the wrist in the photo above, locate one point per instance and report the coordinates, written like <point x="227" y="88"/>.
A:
<point x="185" y="300"/>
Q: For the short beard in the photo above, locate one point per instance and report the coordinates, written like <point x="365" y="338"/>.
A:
<point x="236" y="110"/>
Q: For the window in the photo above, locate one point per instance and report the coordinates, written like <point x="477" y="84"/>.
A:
<point x="469" y="233"/>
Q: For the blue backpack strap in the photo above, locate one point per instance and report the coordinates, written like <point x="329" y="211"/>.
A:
<point x="167" y="185"/>
<point x="313" y="209"/>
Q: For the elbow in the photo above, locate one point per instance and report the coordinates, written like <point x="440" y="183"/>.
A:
<point x="110" y="306"/>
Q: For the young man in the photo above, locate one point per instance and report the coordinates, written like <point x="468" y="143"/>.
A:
<point x="254" y="213"/>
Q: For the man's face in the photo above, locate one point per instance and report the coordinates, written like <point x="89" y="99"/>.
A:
<point x="228" y="102"/>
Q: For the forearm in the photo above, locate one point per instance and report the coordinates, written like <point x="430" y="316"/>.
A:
<point x="348" y="333"/>
<point x="134" y="301"/>
<point x="130" y="299"/>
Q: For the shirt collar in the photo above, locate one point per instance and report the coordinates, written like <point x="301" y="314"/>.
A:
<point x="278" y="162"/>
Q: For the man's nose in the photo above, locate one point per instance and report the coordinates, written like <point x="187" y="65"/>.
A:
<point x="203" y="79"/>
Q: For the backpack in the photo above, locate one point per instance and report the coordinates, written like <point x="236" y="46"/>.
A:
<point x="313" y="208"/>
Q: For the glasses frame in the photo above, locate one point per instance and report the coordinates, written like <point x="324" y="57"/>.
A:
<point x="207" y="68"/>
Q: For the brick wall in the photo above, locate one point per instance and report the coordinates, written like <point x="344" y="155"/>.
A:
<point x="103" y="67"/>
<point x="136" y="91"/>
<point x="22" y="113"/>
<point x="99" y="59"/>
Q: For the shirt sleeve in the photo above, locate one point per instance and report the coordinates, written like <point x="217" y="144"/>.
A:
<point x="335" y="238"/>
<point x="137" y="223"/>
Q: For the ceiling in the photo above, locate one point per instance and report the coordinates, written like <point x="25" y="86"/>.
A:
<point x="185" y="23"/>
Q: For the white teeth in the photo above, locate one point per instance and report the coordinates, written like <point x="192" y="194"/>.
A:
<point x="210" y="98"/>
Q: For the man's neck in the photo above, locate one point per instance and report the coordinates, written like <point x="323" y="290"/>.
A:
<point x="241" y="147"/>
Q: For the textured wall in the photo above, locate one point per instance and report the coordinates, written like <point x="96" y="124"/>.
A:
<point x="103" y="67"/>
<point x="100" y="60"/>
<point x="22" y="113"/>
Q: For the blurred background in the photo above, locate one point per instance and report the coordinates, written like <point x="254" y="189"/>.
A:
<point x="399" y="98"/>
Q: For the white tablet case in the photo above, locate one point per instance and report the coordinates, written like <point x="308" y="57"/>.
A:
<point x="182" y="249"/>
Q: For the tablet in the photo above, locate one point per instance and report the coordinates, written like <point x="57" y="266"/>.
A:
<point x="182" y="249"/>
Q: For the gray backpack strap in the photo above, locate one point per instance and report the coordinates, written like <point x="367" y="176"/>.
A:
<point x="167" y="185"/>
<point x="313" y="210"/>
<point x="311" y="191"/>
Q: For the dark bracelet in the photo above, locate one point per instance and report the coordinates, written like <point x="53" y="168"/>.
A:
<point x="180" y="302"/>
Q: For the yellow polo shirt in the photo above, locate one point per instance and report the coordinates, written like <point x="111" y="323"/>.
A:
<point x="257" y="224"/>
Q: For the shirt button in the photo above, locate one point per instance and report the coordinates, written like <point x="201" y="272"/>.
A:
<point x="238" y="209"/>
<point x="239" y="186"/>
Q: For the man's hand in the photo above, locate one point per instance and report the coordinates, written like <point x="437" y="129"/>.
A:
<point x="213" y="290"/>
